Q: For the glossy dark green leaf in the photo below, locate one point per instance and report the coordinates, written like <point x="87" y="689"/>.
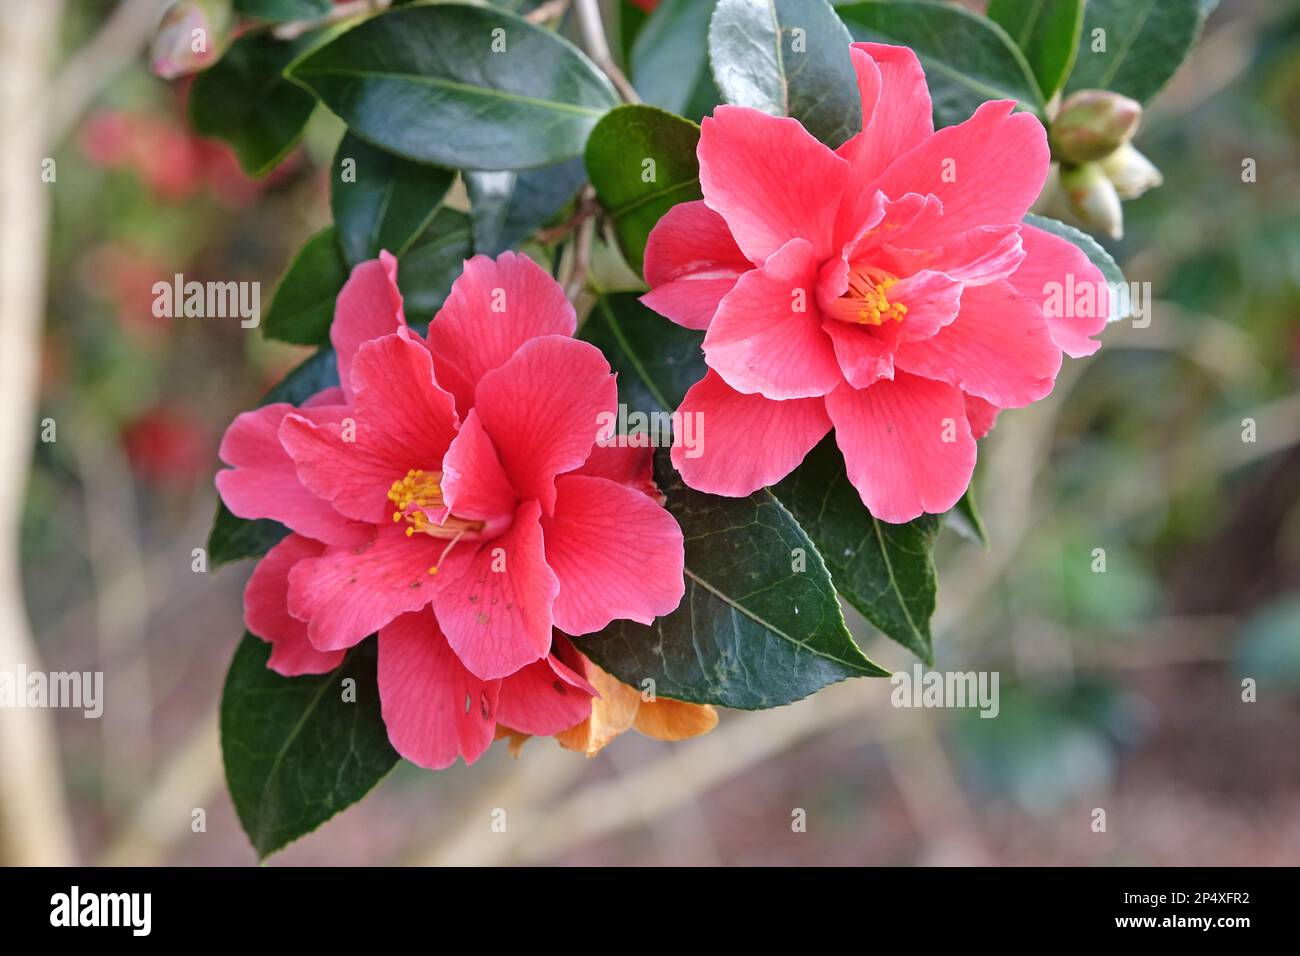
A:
<point x="381" y="201"/>
<point x="432" y="263"/>
<point x="1134" y="46"/>
<point x="656" y="360"/>
<point x="303" y="306"/>
<point x="968" y="59"/>
<point x="506" y="207"/>
<point x="246" y="101"/>
<point x="670" y="59"/>
<point x="787" y="58"/>
<point x="884" y="570"/>
<point x="232" y="538"/>
<point x="641" y="161"/>
<point x="1100" y="258"/>
<point x="282" y="10"/>
<point x="760" y="625"/>
<point x="296" y="751"/>
<point x="1046" y="32"/>
<point x="460" y="86"/>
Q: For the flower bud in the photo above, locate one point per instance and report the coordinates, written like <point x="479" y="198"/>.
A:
<point x="1092" y="197"/>
<point x="1131" y="172"/>
<point x="1092" y="124"/>
<point x="190" y="37"/>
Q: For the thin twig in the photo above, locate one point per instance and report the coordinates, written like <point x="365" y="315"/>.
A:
<point x="592" y="28"/>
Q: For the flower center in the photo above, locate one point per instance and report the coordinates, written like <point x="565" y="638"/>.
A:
<point x="866" y="302"/>
<point x="418" y="500"/>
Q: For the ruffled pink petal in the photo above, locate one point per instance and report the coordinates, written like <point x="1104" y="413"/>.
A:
<point x="893" y="436"/>
<point x="494" y="603"/>
<point x="767" y="338"/>
<point x="264" y="483"/>
<point x="474" y="485"/>
<point x="770" y="180"/>
<point x="542" y="410"/>
<point x="896" y="117"/>
<point x="745" y="442"/>
<point x="402" y="420"/>
<point x="266" y="611"/>
<point x="434" y="709"/>
<point x="975" y="257"/>
<point x="346" y="595"/>
<point x="369" y="305"/>
<point x="864" y="356"/>
<point x="982" y="415"/>
<point x="544" y="698"/>
<point x="495" y="306"/>
<point x="691" y="262"/>
<point x="616" y="553"/>
<point x="998" y="348"/>
<point x="1052" y="268"/>
<point x="985" y="171"/>
<point x="632" y="466"/>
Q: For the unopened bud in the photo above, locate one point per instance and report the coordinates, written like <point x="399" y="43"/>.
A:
<point x="190" y="37"/>
<point x="1131" y="172"/>
<point x="1093" y="124"/>
<point x="1092" y="197"/>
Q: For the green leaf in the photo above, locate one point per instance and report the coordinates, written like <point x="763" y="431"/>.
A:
<point x="295" y="751"/>
<point x="246" y="101"/>
<point x="670" y="59"/>
<point x="460" y="86"/>
<point x="965" y="519"/>
<point x="1145" y="43"/>
<point x="1100" y="258"/>
<point x="232" y="538"/>
<point x="387" y="202"/>
<point x="1047" y="32"/>
<point x="432" y="263"/>
<point x="283" y="10"/>
<point x="787" y="58"/>
<point x="656" y="360"/>
<point x="751" y="632"/>
<point x="506" y="207"/>
<point x="968" y="59"/>
<point x="884" y="570"/>
<point x="303" y="306"/>
<point x="641" y="161"/>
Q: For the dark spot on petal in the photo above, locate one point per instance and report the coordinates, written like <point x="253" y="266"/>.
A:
<point x="482" y="618"/>
<point x="560" y="688"/>
<point x="485" y="706"/>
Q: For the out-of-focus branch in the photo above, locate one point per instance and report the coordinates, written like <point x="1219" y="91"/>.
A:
<point x="34" y="826"/>
<point x="122" y="38"/>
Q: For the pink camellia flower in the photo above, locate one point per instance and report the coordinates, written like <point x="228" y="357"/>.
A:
<point x="887" y="289"/>
<point x="450" y="496"/>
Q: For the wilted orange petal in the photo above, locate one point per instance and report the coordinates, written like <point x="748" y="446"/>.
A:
<point x="666" y="719"/>
<point x="612" y="713"/>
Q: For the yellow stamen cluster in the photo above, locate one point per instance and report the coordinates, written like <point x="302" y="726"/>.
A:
<point x="420" y="490"/>
<point x="868" y="287"/>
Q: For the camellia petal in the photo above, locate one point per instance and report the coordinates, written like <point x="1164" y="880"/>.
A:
<point x="495" y="306"/>
<point x="906" y="443"/>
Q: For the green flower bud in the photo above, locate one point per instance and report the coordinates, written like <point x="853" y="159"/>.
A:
<point x="1131" y="172"/>
<point x="1092" y="197"/>
<point x="1093" y="124"/>
<point x="190" y="37"/>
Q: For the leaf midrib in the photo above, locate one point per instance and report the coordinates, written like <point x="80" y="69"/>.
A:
<point x="487" y="92"/>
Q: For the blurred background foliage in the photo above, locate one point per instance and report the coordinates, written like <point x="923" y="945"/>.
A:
<point x="1119" y="690"/>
